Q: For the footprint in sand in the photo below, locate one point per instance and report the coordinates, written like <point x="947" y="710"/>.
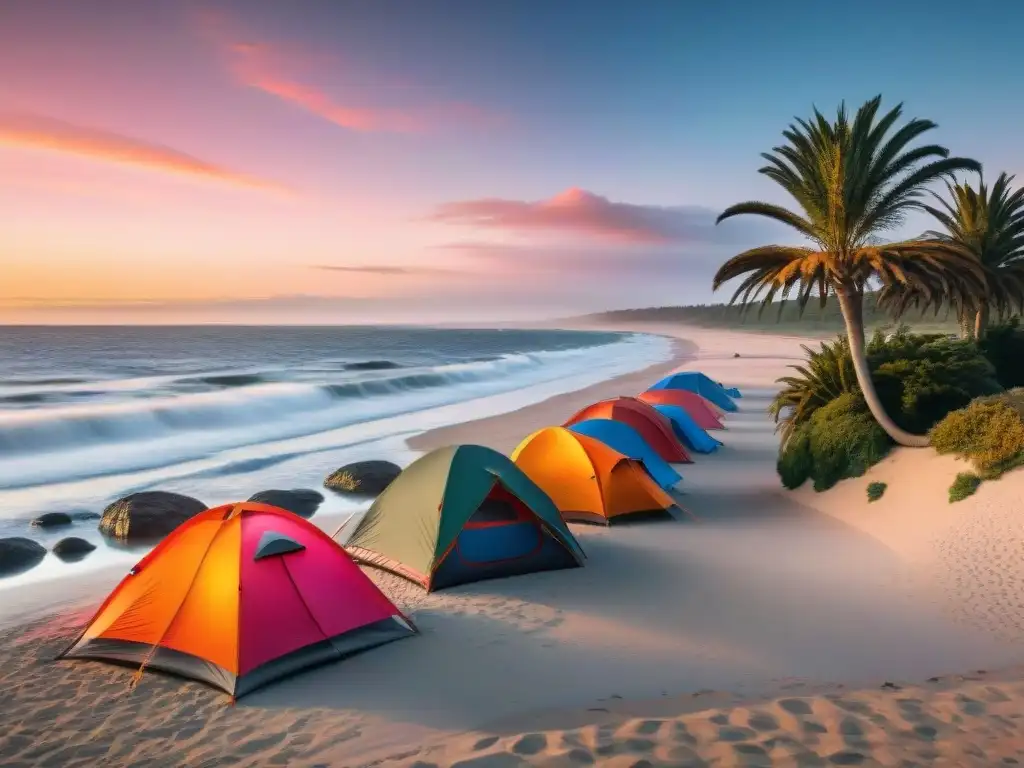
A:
<point x="795" y="706"/>
<point x="530" y="744"/>
<point x="762" y="721"/>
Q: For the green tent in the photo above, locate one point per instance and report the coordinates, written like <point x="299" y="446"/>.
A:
<point x="461" y="514"/>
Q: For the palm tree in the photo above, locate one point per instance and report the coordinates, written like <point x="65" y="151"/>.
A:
<point x="990" y="224"/>
<point x="852" y="181"/>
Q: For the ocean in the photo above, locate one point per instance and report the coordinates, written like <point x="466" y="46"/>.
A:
<point x="90" y="414"/>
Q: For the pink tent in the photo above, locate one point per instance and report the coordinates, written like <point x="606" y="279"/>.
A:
<point x="239" y="596"/>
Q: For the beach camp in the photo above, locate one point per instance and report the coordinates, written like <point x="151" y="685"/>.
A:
<point x="694" y="381"/>
<point x="237" y="597"/>
<point x="703" y="412"/>
<point x="626" y="440"/>
<point x="652" y="426"/>
<point x="462" y="514"/>
<point x="589" y="481"/>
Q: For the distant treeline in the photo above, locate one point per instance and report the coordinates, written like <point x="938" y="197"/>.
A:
<point x="784" y="315"/>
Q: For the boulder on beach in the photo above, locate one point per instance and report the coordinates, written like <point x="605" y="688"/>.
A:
<point x="72" y="549"/>
<point x="363" y="478"/>
<point x="52" y="520"/>
<point x="148" y="516"/>
<point x="18" y="554"/>
<point x="300" y="501"/>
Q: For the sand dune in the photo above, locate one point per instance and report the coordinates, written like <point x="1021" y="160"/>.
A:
<point x="737" y="639"/>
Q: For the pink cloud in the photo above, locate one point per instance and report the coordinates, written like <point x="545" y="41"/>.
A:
<point x="286" y="74"/>
<point x="49" y="134"/>
<point x="580" y="212"/>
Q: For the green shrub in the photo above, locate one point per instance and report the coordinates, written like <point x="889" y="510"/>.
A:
<point x="875" y="491"/>
<point x="827" y="374"/>
<point x="1003" y="347"/>
<point x="844" y="440"/>
<point x="919" y="378"/>
<point x="965" y="484"/>
<point x="989" y="433"/>
<point x="795" y="464"/>
<point x="840" y="441"/>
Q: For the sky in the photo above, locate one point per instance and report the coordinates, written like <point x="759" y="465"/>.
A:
<point x="431" y="160"/>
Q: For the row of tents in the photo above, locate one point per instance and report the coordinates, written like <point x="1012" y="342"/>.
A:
<point x="244" y="594"/>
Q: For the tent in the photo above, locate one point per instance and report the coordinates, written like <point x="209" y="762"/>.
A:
<point x="695" y="438"/>
<point x="589" y="481"/>
<point x="626" y="440"/>
<point x="695" y="381"/>
<point x="461" y="514"/>
<point x="695" y="405"/>
<point x="654" y="428"/>
<point x="239" y="596"/>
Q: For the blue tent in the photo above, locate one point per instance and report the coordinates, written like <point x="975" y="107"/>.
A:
<point x="626" y="440"/>
<point x="687" y="429"/>
<point x="695" y="381"/>
<point x="733" y="392"/>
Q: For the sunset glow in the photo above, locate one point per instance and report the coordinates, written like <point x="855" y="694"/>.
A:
<point x="314" y="162"/>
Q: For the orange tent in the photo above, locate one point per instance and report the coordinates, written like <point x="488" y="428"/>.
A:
<point x="703" y="412"/>
<point x="653" y="426"/>
<point x="589" y="481"/>
<point x="238" y="596"/>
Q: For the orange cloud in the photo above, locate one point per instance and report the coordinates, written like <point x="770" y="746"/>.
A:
<point x="274" y="69"/>
<point x="45" y="133"/>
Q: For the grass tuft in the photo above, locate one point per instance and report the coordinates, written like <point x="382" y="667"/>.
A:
<point x="965" y="484"/>
<point x="875" y="491"/>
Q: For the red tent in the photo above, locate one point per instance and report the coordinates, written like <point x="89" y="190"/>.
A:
<point x="695" y="405"/>
<point x="653" y="427"/>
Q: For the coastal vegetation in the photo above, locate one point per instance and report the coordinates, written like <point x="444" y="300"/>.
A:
<point x="876" y="490"/>
<point x="989" y="224"/>
<point x="947" y="388"/>
<point x="965" y="484"/>
<point x="782" y="316"/>
<point x="852" y="180"/>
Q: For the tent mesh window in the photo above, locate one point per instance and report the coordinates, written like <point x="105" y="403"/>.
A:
<point x="496" y="511"/>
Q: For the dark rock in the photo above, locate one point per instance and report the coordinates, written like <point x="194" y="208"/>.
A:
<point x="363" y="478"/>
<point x="300" y="501"/>
<point x="18" y="554"/>
<point x="735" y="354"/>
<point x="52" y="520"/>
<point x="72" y="549"/>
<point x="84" y="515"/>
<point x="148" y="516"/>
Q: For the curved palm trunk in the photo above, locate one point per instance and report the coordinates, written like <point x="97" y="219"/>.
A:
<point x="851" y="302"/>
<point x="981" y="321"/>
<point x="966" y="323"/>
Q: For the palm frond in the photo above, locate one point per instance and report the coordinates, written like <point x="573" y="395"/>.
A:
<point x="852" y="178"/>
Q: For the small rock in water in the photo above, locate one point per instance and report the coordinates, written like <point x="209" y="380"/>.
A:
<point x="364" y="478"/>
<point x="52" y="520"/>
<point x="299" y="501"/>
<point x="18" y="554"/>
<point x="72" y="549"/>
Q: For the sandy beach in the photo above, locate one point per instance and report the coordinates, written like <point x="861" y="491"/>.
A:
<point x="779" y="628"/>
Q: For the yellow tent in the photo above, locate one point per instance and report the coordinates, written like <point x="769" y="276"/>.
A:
<point x="589" y="481"/>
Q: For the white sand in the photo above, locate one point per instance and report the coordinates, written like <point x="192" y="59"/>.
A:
<point x="764" y="597"/>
